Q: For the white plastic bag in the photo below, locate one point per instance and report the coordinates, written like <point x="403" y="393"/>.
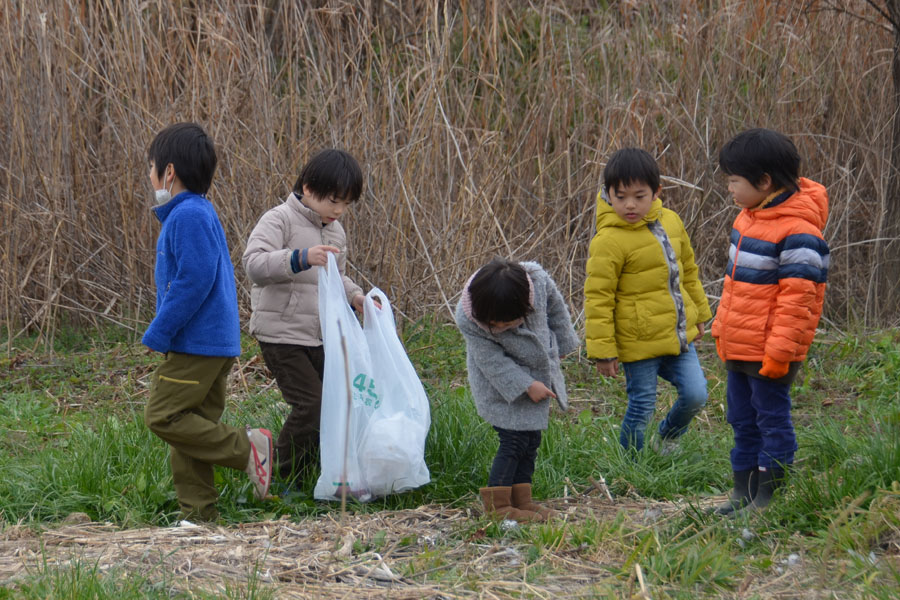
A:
<point x="389" y="416"/>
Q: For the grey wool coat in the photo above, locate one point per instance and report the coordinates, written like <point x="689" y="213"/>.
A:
<point x="501" y="366"/>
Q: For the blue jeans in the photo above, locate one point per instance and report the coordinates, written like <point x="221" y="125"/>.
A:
<point x="684" y="372"/>
<point x="514" y="462"/>
<point x="759" y="411"/>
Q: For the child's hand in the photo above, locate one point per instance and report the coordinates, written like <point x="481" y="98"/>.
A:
<point x="317" y="256"/>
<point x="607" y="368"/>
<point x="359" y="299"/>
<point x="537" y="391"/>
<point x="774" y="369"/>
<point x="701" y="329"/>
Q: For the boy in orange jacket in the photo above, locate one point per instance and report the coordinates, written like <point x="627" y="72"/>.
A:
<point x="771" y="303"/>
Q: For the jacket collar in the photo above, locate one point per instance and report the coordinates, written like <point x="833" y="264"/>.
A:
<point x="607" y="217"/>
<point x="773" y="199"/>
<point x="312" y="216"/>
<point x="163" y="211"/>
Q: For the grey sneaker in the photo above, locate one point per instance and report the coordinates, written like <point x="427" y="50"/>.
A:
<point x="665" y="446"/>
<point x="259" y="464"/>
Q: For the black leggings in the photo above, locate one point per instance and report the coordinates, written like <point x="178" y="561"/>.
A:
<point x="514" y="462"/>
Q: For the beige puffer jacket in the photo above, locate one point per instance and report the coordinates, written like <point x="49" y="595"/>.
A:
<point x="285" y="304"/>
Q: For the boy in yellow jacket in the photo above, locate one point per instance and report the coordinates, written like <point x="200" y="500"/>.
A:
<point x="644" y="303"/>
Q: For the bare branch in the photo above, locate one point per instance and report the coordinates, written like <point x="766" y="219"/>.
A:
<point x="891" y="27"/>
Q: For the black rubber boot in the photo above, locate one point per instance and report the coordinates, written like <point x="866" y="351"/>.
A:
<point x="769" y="480"/>
<point x="741" y="494"/>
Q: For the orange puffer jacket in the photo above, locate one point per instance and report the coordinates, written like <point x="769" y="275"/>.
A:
<point x="775" y="280"/>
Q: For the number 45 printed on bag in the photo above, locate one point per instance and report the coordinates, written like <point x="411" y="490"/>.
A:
<point x="363" y="393"/>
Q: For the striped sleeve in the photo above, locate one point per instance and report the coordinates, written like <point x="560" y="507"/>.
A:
<point x="802" y="255"/>
<point x="802" y="270"/>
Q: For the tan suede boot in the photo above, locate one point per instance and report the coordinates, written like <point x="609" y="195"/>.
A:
<point x="497" y="505"/>
<point x="521" y="499"/>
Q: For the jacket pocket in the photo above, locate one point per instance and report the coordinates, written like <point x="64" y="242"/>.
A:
<point x="627" y="319"/>
<point x="291" y="307"/>
<point x="691" y="313"/>
<point x="643" y="320"/>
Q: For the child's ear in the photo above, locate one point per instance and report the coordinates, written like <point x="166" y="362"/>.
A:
<point x="657" y="192"/>
<point x="169" y="174"/>
<point x="766" y="184"/>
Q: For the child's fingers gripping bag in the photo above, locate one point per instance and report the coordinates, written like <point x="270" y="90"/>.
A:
<point x="389" y="417"/>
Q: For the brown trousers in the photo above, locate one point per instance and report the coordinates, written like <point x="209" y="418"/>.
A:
<point x="187" y="398"/>
<point x="298" y="370"/>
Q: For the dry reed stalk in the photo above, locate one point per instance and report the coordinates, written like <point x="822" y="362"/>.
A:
<point x="482" y="128"/>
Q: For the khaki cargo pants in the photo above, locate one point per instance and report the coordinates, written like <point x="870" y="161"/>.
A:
<point x="187" y="398"/>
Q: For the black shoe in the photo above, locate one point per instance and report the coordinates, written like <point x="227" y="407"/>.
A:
<point x="769" y="480"/>
<point x="741" y="494"/>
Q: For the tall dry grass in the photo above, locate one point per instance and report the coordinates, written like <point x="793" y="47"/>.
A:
<point x="482" y="127"/>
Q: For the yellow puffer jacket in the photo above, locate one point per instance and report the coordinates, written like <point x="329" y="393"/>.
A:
<point x="629" y="312"/>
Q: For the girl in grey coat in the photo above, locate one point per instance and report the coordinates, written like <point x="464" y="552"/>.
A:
<point x="517" y="328"/>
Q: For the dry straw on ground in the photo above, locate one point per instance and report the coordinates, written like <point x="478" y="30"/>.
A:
<point x="325" y="559"/>
<point x="483" y="127"/>
<point x="321" y="558"/>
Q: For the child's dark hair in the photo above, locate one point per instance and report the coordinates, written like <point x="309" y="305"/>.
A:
<point x="500" y="292"/>
<point x="331" y="173"/>
<point x="628" y="166"/>
<point x="190" y="151"/>
<point x="755" y="153"/>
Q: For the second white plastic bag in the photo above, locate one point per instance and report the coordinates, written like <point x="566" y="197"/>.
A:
<point x="379" y="447"/>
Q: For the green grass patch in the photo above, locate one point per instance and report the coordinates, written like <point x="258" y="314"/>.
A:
<point x="72" y="439"/>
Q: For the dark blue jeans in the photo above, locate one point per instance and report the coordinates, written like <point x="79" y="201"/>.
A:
<point x="759" y="411"/>
<point x="514" y="462"/>
<point x="684" y="372"/>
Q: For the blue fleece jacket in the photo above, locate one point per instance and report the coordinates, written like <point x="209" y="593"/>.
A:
<point x="196" y="299"/>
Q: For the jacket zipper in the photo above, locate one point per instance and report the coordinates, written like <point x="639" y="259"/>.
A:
<point x="318" y="316"/>
<point x="737" y="251"/>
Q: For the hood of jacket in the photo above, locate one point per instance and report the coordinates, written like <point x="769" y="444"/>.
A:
<point x="466" y="299"/>
<point x="810" y="203"/>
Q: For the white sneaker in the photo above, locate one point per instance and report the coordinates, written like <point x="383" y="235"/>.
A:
<point x="259" y="464"/>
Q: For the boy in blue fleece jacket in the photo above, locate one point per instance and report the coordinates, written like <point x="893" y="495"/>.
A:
<point x="196" y="327"/>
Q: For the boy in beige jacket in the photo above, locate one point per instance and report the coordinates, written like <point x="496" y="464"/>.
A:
<point x="287" y="242"/>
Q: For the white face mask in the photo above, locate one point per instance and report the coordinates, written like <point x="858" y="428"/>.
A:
<point x="164" y="195"/>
